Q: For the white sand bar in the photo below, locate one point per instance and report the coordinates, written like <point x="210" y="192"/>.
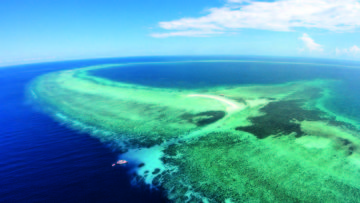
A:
<point x="232" y="104"/>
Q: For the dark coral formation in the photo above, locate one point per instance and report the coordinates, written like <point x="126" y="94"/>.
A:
<point x="348" y="145"/>
<point x="279" y="118"/>
<point x="204" y="118"/>
<point x="157" y="170"/>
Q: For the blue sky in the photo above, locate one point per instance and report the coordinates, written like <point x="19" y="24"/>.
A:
<point x="49" y="30"/>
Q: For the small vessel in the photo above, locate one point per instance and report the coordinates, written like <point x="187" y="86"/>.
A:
<point x="121" y="162"/>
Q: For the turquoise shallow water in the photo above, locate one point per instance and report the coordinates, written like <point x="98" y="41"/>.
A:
<point x="345" y="98"/>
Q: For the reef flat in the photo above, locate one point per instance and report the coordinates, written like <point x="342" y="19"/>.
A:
<point x="233" y="143"/>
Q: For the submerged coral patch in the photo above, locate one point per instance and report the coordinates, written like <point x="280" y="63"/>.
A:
<point x="223" y="165"/>
<point x="280" y="117"/>
<point x="204" y="118"/>
<point x="348" y="145"/>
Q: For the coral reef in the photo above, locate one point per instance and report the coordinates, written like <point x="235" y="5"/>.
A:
<point x="239" y="143"/>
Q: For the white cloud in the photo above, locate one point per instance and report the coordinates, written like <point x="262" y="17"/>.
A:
<point x="189" y="33"/>
<point x="353" y="51"/>
<point x="282" y="15"/>
<point x="239" y="1"/>
<point x="339" y="51"/>
<point x="310" y="44"/>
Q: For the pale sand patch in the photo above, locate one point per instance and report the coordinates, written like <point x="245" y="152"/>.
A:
<point x="257" y="102"/>
<point x="234" y="105"/>
<point x="151" y="157"/>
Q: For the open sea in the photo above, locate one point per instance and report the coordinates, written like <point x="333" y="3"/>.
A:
<point x="44" y="161"/>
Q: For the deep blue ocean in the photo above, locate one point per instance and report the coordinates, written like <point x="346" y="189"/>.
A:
<point x="44" y="161"/>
